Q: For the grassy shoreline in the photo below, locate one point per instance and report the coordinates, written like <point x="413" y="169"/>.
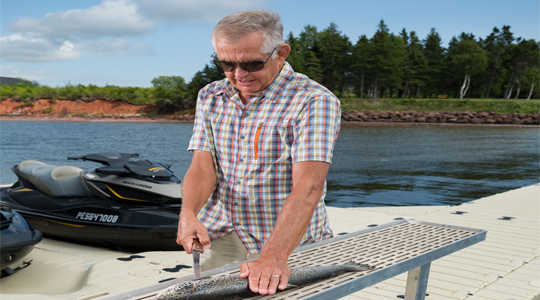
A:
<point x="493" y="105"/>
<point x="502" y="106"/>
<point x="461" y="111"/>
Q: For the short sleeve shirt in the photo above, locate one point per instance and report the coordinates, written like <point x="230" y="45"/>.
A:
<point x="254" y="147"/>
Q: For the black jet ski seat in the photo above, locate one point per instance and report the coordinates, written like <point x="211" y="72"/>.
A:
<point x="55" y="181"/>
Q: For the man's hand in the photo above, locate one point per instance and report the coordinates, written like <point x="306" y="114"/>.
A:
<point x="266" y="274"/>
<point x="189" y="230"/>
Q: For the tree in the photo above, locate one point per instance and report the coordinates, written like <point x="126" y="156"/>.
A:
<point x="334" y="54"/>
<point x="386" y="62"/>
<point x="296" y="56"/>
<point x="532" y="79"/>
<point x="171" y="93"/>
<point x="415" y="66"/>
<point x="303" y="56"/>
<point x="211" y="72"/>
<point x="407" y="66"/>
<point x="434" y="54"/>
<point x="496" y="44"/>
<point x="522" y="57"/>
<point x="360" y="58"/>
<point x="396" y="61"/>
<point x="466" y="58"/>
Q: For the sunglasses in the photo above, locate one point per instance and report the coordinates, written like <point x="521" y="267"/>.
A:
<point x="248" y="66"/>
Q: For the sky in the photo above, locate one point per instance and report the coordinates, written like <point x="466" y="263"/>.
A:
<point x="130" y="42"/>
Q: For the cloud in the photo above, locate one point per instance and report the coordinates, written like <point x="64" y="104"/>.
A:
<point x="116" y="18"/>
<point x="112" y="27"/>
<point x="103" y="29"/>
<point x="188" y="11"/>
<point x="17" y="47"/>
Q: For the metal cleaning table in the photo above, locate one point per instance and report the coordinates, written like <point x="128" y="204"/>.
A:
<point x="402" y="246"/>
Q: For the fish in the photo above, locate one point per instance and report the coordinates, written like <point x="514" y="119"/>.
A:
<point x="232" y="286"/>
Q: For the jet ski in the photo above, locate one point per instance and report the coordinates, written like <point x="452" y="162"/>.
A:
<point x="17" y="239"/>
<point x="127" y="203"/>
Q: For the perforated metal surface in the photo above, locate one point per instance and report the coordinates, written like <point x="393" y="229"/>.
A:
<point x="381" y="248"/>
<point x="390" y="249"/>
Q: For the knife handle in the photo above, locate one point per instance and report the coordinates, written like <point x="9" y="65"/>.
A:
<point x="197" y="246"/>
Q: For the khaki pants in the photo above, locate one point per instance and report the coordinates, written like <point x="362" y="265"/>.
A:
<point x="225" y="250"/>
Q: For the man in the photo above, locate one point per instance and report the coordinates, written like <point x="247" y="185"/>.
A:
<point x="262" y="144"/>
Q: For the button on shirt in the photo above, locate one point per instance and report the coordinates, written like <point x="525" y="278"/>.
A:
<point x="254" y="145"/>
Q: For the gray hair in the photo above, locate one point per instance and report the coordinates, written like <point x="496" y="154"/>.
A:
<point x="237" y="25"/>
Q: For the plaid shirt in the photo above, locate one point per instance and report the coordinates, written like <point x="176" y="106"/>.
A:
<point x="254" y="146"/>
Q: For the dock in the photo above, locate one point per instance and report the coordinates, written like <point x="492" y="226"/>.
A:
<point x="505" y="266"/>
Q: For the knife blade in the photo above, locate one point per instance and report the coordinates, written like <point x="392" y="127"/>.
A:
<point x="196" y="251"/>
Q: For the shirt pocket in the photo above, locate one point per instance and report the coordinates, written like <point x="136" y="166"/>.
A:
<point x="272" y="143"/>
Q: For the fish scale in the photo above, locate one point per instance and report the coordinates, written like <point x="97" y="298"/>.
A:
<point x="232" y="286"/>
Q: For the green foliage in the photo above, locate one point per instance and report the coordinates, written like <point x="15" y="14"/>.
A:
<point x="334" y="54"/>
<point x="440" y="105"/>
<point x="25" y="92"/>
<point x="171" y="93"/>
<point x="415" y="69"/>
<point x="496" y="45"/>
<point x="359" y="67"/>
<point x="210" y="73"/>
<point x="466" y="57"/>
<point x="304" y="55"/>
<point x="385" y="62"/>
<point x="434" y="53"/>
<point x="388" y="65"/>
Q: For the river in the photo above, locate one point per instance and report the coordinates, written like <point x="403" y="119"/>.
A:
<point x="373" y="166"/>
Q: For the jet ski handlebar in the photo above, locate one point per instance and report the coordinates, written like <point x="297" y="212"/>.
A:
<point x="120" y="164"/>
<point x="106" y="158"/>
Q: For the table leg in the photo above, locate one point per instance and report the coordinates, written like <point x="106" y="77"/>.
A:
<point x="417" y="279"/>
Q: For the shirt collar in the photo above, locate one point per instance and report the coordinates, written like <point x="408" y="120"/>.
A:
<point x="284" y="75"/>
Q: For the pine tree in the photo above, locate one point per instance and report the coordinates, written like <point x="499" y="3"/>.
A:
<point x="418" y="66"/>
<point x="361" y="52"/>
<point x="335" y="52"/>
<point x="434" y="54"/>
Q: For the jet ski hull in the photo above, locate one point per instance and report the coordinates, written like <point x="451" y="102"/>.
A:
<point x="93" y="220"/>
<point x="18" y="238"/>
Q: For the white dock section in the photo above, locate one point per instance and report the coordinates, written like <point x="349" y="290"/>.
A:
<point x="505" y="266"/>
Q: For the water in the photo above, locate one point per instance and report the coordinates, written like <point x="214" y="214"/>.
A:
<point x="408" y="165"/>
<point x="431" y="165"/>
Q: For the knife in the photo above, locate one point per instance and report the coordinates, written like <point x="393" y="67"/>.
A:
<point x="196" y="251"/>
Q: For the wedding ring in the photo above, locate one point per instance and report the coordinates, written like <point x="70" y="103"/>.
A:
<point x="276" y="275"/>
